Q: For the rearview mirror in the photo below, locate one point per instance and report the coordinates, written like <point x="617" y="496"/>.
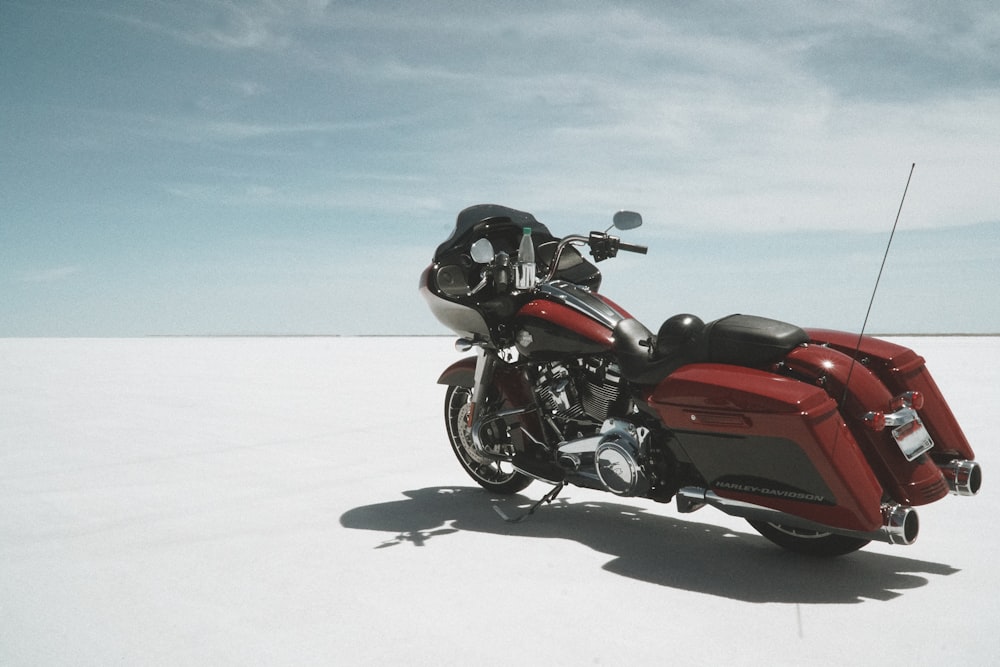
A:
<point x="482" y="251"/>
<point x="627" y="220"/>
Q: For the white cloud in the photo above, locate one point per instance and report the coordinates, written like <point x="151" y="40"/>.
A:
<point x="49" y="275"/>
<point x="220" y="25"/>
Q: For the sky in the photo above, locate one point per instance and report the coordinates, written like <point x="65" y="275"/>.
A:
<point x="283" y="168"/>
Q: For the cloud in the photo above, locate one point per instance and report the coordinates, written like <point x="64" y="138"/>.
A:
<point x="748" y="117"/>
<point x="220" y="25"/>
<point x="210" y="128"/>
<point x="51" y="275"/>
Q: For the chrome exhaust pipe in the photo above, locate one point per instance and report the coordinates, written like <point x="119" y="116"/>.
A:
<point x="900" y="523"/>
<point x="964" y="477"/>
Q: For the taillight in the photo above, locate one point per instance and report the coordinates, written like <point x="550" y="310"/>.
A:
<point x="909" y="399"/>
<point x="875" y="420"/>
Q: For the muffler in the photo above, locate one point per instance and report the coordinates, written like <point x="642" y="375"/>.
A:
<point x="964" y="477"/>
<point x="900" y="523"/>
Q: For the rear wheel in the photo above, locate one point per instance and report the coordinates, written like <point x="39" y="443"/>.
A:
<point x="490" y="468"/>
<point x="809" y="542"/>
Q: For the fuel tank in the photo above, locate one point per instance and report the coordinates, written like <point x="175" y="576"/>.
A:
<point x="565" y="320"/>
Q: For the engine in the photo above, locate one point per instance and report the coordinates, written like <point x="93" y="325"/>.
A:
<point x="581" y="390"/>
<point x="600" y="447"/>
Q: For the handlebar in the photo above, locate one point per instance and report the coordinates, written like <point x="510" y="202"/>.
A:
<point x="602" y="247"/>
<point x="557" y="255"/>
<point x="631" y="247"/>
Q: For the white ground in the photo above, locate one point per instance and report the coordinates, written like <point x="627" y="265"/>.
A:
<point x="295" y="502"/>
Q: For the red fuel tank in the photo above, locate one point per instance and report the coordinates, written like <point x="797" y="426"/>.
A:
<point x="565" y="320"/>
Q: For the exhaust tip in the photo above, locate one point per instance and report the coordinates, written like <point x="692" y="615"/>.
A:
<point x="964" y="477"/>
<point x="902" y="524"/>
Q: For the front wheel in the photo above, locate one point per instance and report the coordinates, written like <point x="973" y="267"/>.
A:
<point x="489" y="468"/>
<point x="808" y="542"/>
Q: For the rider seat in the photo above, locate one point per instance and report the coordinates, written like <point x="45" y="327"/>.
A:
<point x="739" y="340"/>
<point x="749" y="340"/>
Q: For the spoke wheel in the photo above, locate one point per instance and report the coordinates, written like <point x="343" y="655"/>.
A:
<point x="808" y="542"/>
<point x="491" y="468"/>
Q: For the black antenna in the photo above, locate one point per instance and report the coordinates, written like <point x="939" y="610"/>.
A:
<point x="864" y="325"/>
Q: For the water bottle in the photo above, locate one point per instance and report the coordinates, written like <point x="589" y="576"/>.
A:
<point x="525" y="278"/>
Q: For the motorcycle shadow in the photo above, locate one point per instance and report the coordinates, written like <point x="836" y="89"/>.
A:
<point x="661" y="550"/>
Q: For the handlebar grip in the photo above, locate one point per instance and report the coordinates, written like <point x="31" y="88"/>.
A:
<point x="631" y="247"/>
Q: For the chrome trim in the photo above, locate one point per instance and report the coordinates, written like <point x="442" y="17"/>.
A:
<point x="900" y="523"/>
<point x="586" y="445"/>
<point x="581" y="300"/>
<point x="464" y="344"/>
<point x="572" y="239"/>
<point x="583" y="458"/>
<point x="964" y="477"/>
<point x="617" y="467"/>
<point x="485" y="365"/>
<point x="900" y="417"/>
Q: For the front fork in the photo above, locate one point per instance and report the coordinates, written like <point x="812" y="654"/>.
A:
<point x="515" y="390"/>
<point x="486" y="364"/>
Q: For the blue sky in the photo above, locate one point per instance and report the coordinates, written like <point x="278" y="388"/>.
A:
<point x="288" y="167"/>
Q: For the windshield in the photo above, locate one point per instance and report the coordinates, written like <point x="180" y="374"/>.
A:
<point x="500" y="224"/>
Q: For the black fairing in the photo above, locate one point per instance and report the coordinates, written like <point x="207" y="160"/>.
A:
<point x="500" y="224"/>
<point x="454" y="273"/>
<point x="504" y="226"/>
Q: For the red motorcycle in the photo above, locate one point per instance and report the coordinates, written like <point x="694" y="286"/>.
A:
<point x="822" y="440"/>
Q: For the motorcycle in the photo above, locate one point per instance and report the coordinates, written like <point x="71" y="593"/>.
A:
<point x="822" y="440"/>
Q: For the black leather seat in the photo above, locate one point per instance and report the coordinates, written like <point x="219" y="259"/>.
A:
<point x="739" y="340"/>
<point x="749" y="340"/>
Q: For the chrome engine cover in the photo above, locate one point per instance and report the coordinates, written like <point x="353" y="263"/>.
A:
<point x="616" y="459"/>
<point x="611" y="460"/>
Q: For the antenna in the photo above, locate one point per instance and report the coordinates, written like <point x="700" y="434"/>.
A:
<point x="864" y="325"/>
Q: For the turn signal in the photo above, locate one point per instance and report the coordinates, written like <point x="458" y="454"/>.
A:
<point x="875" y="420"/>
<point x="909" y="399"/>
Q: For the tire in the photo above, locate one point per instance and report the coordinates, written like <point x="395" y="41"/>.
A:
<point x="491" y="473"/>
<point x="808" y="542"/>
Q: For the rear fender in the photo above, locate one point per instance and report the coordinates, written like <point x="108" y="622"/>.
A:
<point x="901" y="369"/>
<point x="911" y="483"/>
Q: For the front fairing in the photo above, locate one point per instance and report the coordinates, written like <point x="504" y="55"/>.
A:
<point x="447" y="283"/>
<point x="459" y="315"/>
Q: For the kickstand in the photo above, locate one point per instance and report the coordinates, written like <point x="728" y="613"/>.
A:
<point x="547" y="498"/>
